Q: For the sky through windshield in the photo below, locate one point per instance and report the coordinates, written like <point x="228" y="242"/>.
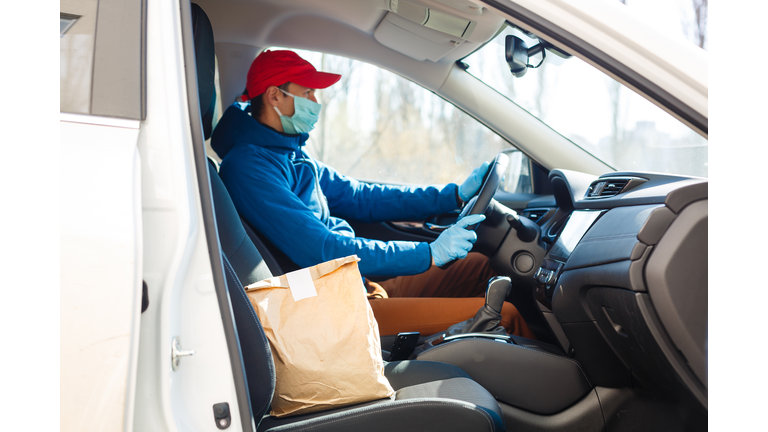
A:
<point x="594" y="111"/>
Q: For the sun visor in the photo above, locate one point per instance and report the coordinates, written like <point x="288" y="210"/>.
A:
<point x="420" y="32"/>
<point x="434" y="19"/>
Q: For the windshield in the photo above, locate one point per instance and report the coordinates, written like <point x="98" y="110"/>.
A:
<point x="592" y="110"/>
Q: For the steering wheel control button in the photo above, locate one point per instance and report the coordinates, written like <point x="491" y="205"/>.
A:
<point x="523" y="262"/>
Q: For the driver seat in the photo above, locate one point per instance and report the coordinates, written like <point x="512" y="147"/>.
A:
<point x="429" y="395"/>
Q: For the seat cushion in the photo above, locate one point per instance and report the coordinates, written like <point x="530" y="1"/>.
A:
<point x="429" y="396"/>
<point x="402" y="374"/>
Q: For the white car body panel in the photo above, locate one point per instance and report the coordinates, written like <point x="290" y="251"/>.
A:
<point x="101" y="266"/>
<point x="134" y="214"/>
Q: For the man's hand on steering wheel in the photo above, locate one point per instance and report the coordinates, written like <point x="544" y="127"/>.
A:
<point x="477" y="191"/>
<point x="472" y="184"/>
<point x="455" y="242"/>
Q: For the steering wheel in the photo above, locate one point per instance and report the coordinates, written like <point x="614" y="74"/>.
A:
<point x="480" y="202"/>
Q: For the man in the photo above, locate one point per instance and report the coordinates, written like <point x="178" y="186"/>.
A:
<point x="300" y="205"/>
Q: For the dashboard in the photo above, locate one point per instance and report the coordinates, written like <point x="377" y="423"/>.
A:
<point x="619" y="275"/>
<point x="574" y="226"/>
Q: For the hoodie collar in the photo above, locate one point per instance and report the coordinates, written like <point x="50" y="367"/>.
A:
<point x="236" y="127"/>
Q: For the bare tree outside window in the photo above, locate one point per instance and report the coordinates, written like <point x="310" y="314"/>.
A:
<point x="378" y="126"/>
<point x="684" y="17"/>
<point x="596" y="112"/>
<point x="700" y="24"/>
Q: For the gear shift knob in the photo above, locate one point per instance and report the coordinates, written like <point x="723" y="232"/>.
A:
<point x="488" y="317"/>
<point x="497" y="291"/>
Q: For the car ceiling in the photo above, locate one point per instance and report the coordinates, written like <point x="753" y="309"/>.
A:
<point x="347" y="28"/>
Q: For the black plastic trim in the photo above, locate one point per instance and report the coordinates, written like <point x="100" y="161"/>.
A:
<point x="144" y="296"/>
<point x="583" y="416"/>
<point x="538" y="24"/>
<point x="515" y="201"/>
<point x="638" y="409"/>
<point x="630" y="325"/>
<point x="611" y="238"/>
<point x="209" y="220"/>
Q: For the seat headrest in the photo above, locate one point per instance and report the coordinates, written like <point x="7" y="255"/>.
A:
<point x="205" y="63"/>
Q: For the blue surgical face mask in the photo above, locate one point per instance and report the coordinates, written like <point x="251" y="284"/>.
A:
<point x="304" y="117"/>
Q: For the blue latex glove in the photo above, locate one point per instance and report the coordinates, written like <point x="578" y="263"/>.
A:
<point x="472" y="184"/>
<point x="456" y="241"/>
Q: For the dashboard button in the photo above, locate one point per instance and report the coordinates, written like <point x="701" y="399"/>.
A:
<point x="524" y="262"/>
<point x="550" y="278"/>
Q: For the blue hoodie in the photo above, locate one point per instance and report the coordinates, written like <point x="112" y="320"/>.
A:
<point x="299" y="204"/>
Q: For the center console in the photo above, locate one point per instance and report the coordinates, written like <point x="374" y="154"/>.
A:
<point x="517" y="372"/>
<point x="546" y="276"/>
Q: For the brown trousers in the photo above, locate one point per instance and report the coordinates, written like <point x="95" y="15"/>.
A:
<point x="432" y="301"/>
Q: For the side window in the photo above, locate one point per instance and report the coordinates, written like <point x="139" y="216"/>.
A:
<point x="378" y="126"/>
<point x="78" y="31"/>
<point x="102" y="57"/>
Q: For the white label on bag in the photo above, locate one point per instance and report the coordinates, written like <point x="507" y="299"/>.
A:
<point x="301" y="284"/>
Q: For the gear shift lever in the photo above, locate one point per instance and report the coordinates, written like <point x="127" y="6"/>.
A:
<point x="498" y="290"/>
<point x="488" y="317"/>
<point x="486" y="320"/>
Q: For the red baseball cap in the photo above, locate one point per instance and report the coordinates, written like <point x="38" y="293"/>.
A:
<point x="279" y="67"/>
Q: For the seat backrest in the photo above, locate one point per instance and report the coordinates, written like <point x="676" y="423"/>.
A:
<point x="205" y="64"/>
<point x="243" y="255"/>
<point x="266" y="250"/>
<point x="242" y="261"/>
<point x="277" y="261"/>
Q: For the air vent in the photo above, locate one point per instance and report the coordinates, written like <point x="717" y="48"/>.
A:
<point x="604" y="188"/>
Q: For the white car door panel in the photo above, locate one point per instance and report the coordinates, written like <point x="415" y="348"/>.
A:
<point x="101" y="267"/>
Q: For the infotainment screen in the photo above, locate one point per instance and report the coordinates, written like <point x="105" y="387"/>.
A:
<point x="578" y="224"/>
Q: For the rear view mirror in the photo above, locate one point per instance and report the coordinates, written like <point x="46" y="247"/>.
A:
<point x="518" y="54"/>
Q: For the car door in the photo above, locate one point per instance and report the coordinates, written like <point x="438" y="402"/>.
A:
<point x="101" y="223"/>
<point x="145" y="333"/>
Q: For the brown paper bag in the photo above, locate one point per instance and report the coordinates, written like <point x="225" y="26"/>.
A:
<point x="326" y="347"/>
